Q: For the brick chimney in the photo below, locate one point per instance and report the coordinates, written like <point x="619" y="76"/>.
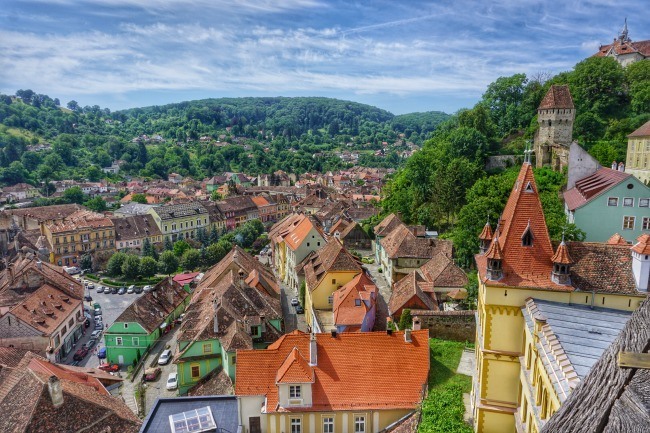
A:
<point x="55" y="391"/>
<point x="416" y="324"/>
<point x="313" y="350"/>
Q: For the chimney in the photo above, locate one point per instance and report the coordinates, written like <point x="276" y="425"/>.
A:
<point x="215" y="305"/>
<point x="621" y="166"/>
<point x="407" y="335"/>
<point x="614" y="165"/>
<point x="313" y="350"/>
<point x="170" y="296"/>
<point x="333" y="333"/>
<point x="39" y="265"/>
<point x="416" y="324"/>
<point x="56" y="393"/>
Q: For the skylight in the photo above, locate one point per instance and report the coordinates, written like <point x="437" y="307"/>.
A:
<point x="196" y="420"/>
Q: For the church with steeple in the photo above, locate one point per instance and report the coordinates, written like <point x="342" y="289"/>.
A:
<point x="546" y="311"/>
<point x="624" y="50"/>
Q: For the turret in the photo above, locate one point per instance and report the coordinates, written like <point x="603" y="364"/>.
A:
<point x="561" y="265"/>
<point x="485" y="237"/>
<point x="495" y="259"/>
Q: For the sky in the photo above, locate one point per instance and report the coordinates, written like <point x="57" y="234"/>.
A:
<point x="400" y="55"/>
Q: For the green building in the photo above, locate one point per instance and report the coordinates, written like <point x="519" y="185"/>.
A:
<point x="607" y="202"/>
<point x="225" y="315"/>
<point x="144" y="321"/>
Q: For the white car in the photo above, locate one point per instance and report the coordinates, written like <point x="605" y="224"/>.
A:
<point x="294" y="302"/>
<point x="172" y="381"/>
<point x="165" y="357"/>
<point x="147" y="288"/>
<point x="131" y="289"/>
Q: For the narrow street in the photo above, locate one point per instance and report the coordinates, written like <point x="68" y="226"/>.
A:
<point x="384" y="292"/>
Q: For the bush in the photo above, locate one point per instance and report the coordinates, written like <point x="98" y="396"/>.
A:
<point x="148" y="267"/>
<point x="380" y="270"/>
<point x="190" y="260"/>
<point x="405" y="320"/>
<point x="114" y="266"/>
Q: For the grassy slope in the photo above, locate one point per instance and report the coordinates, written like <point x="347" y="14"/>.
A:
<point x="443" y="409"/>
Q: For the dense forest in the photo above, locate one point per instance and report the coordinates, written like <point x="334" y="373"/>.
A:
<point x="445" y="186"/>
<point x="199" y="138"/>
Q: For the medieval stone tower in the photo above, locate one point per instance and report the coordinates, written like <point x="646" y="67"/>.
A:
<point x="555" y="116"/>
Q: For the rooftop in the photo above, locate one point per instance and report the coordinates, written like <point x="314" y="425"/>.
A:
<point x="222" y="407"/>
<point x="588" y="188"/>
<point x="558" y="96"/>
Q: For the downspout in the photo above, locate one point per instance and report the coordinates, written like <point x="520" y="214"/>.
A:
<point x="593" y="297"/>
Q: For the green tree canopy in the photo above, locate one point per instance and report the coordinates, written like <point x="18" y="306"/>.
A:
<point x="168" y="263"/>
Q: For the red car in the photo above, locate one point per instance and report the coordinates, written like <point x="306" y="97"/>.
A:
<point x="80" y="354"/>
<point x="109" y="367"/>
<point x="151" y="374"/>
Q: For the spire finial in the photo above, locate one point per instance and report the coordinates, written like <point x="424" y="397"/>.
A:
<point x="624" y="33"/>
<point x="527" y="151"/>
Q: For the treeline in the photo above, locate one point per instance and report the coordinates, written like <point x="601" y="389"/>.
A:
<point x="258" y="135"/>
<point x="445" y="185"/>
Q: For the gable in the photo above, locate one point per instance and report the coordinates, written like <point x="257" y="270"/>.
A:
<point x="131" y="328"/>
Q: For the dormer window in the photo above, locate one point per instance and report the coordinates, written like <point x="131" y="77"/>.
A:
<point x="529" y="187"/>
<point x="527" y="238"/>
<point x="295" y="391"/>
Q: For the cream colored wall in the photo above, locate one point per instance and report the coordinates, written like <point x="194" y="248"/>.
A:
<point x="312" y="422"/>
<point x="305" y="392"/>
<point x="495" y="422"/>
<point x="251" y="406"/>
<point x="320" y="295"/>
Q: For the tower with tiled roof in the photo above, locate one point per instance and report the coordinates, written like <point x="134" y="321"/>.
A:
<point x="562" y="262"/>
<point x="485" y="237"/>
<point x="555" y="116"/>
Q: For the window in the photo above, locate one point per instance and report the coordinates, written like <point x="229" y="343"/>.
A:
<point x="357" y="302"/>
<point x="71" y="323"/>
<point x="644" y="202"/>
<point x="527" y="238"/>
<point x="333" y="280"/>
<point x="646" y="223"/>
<point x="294" y="391"/>
<point x="57" y="341"/>
<point x="196" y="371"/>
<point x="135" y="341"/>
<point x="330" y="299"/>
<point x="296" y="425"/>
<point x="628" y="202"/>
<point x="233" y="360"/>
<point x="64" y="330"/>
<point x="628" y="222"/>
<point x="207" y="348"/>
<point x="359" y="424"/>
<point x="612" y="201"/>
<point x="328" y="424"/>
<point x="126" y="325"/>
<point x="118" y="341"/>
<point x="196" y="420"/>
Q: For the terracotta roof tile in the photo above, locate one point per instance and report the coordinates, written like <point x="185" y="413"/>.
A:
<point x="644" y="130"/>
<point x="295" y="369"/>
<point x="590" y="187"/>
<point x="333" y="257"/>
<point x="642" y="245"/>
<point x="345" y="308"/>
<point x="414" y="285"/>
<point x="616" y="239"/>
<point x="558" y="96"/>
<point x="486" y="233"/>
<point x="625" y="47"/>
<point x="346" y="375"/>
<point x="387" y="225"/>
<point x="443" y="272"/>
<point x="401" y="242"/>
<point x="562" y="255"/>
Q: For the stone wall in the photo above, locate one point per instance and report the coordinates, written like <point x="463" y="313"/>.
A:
<point x="500" y="162"/>
<point x="447" y="325"/>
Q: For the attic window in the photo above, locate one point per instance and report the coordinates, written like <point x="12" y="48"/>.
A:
<point x="527" y="238"/>
<point x="357" y="302"/>
<point x="529" y="187"/>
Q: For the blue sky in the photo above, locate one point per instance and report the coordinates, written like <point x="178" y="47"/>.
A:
<point x="402" y="56"/>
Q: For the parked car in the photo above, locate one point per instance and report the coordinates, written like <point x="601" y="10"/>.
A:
<point x="96" y="334"/>
<point x="180" y="318"/>
<point x="97" y="312"/>
<point x="138" y="289"/>
<point x="90" y="343"/>
<point x="100" y="289"/>
<point x="165" y="357"/>
<point x="88" y="298"/>
<point x="147" y="288"/>
<point x="98" y="325"/>
<point x="172" y="381"/>
<point x="151" y="374"/>
<point x="131" y="289"/>
<point x="80" y="354"/>
<point x="91" y="285"/>
<point x="101" y="353"/>
<point x="109" y="367"/>
<point x="121" y="291"/>
<point x="294" y="302"/>
<point x="299" y="309"/>
<point x="114" y="290"/>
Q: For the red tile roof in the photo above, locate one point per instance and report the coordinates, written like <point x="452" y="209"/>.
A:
<point x="387" y="225"/>
<point x="346" y="376"/>
<point x="558" y="96"/>
<point x="625" y="47"/>
<point x="333" y="257"/>
<point x="345" y="309"/>
<point x="486" y="233"/>
<point x="414" y="285"/>
<point x="562" y="255"/>
<point x="642" y="245"/>
<point x="643" y="131"/>
<point x="299" y="233"/>
<point x="616" y="239"/>
<point x="295" y="369"/>
<point x="590" y="187"/>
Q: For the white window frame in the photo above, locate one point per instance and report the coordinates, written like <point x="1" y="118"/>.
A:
<point x="328" y="423"/>
<point x="295" y="425"/>
<point x="295" y="391"/>
<point x="628" y="218"/>
<point x="135" y="341"/>
<point x="626" y="199"/>
<point x="645" y="223"/>
<point x="609" y="199"/>
<point x="644" y="202"/>
<point x="119" y="341"/>
<point x="359" y="423"/>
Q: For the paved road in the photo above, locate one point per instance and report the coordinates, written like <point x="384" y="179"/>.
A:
<point x="292" y="320"/>
<point x="384" y="292"/>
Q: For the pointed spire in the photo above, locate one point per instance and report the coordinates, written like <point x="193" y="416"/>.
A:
<point x="494" y="252"/>
<point x="624" y="37"/>
<point x="562" y="255"/>
<point x="528" y="150"/>
<point x="486" y="234"/>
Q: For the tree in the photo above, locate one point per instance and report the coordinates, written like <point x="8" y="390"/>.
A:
<point x="214" y="235"/>
<point x="86" y="262"/>
<point x="191" y="259"/>
<point x="131" y="266"/>
<point x="73" y="106"/>
<point x="405" y="320"/>
<point x="202" y="236"/>
<point x="215" y="196"/>
<point x="597" y="86"/>
<point x="96" y="204"/>
<point x="148" y="250"/>
<point x="180" y="247"/>
<point x="301" y="293"/>
<point x="114" y="266"/>
<point x="139" y="198"/>
<point x="168" y="263"/>
<point x="215" y="252"/>
<point x="168" y="244"/>
<point x="148" y="267"/>
<point x="74" y="195"/>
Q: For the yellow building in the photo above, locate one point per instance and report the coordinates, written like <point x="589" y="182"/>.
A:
<point x="79" y="233"/>
<point x="519" y="263"/>
<point x="180" y="221"/>
<point x="638" y="154"/>
<point x="331" y="383"/>
<point x="325" y="272"/>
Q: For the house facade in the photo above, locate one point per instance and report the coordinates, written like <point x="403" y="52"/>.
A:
<point x="143" y="322"/>
<point x="180" y="221"/>
<point x="638" y="153"/>
<point x="132" y="231"/>
<point x="519" y="263"/>
<point x="355" y="305"/>
<point x="607" y="202"/>
<point x="329" y="382"/>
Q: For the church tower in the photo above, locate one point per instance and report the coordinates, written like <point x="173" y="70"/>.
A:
<point x="555" y="116"/>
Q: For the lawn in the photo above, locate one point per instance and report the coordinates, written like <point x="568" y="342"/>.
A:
<point x="443" y="409"/>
